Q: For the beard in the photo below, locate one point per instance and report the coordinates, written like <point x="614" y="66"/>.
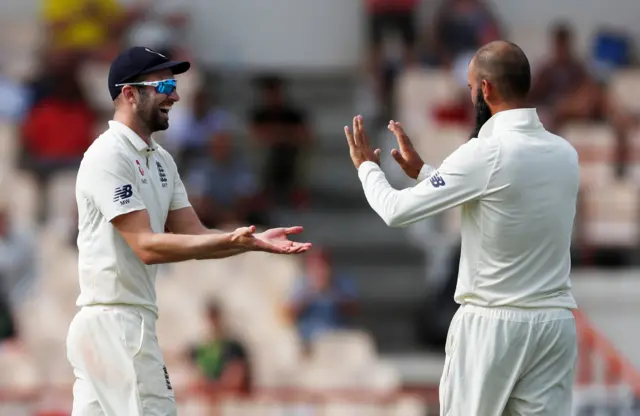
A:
<point x="483" y="113"/>
<point x="150" y="115"/>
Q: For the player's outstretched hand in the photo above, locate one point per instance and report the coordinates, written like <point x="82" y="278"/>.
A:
<point x="278" y="238"/>
<point x="359" y="147"/>
<point x="274" y="240"/>
<point x="406" y="155"/>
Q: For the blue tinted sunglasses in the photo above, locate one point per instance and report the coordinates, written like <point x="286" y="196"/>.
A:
<point x="166" y="86"/>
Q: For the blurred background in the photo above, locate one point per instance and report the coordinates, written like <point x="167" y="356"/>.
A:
<point x="356" y="326"/>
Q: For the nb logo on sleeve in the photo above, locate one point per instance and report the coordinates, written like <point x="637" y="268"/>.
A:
<point x="436" y="180"/>
<point x="122" y="194"/>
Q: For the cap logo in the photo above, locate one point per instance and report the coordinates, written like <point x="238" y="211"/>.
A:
<point x="154" y="52"/>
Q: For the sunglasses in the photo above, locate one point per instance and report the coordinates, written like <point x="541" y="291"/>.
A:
<point x="166" y="86"/>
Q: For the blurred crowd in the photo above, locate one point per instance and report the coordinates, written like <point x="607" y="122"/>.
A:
<point x="60" y="108"/>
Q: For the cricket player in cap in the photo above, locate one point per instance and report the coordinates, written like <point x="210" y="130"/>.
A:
<point x="128" y="193"/>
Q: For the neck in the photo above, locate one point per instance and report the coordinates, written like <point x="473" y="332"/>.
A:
<point x="506" y="106"/>
<point x="134" y="124"/>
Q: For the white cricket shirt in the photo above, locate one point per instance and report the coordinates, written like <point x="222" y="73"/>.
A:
<point x="518" y="186"/>
<point x="119" y="174"/>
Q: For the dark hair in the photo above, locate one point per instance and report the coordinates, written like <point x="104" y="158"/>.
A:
<point x="269" y="82"/>
<point x="506" y="66"/>
<point x="562" y="32"/>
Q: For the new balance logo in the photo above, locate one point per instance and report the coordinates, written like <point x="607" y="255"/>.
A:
<point x="122" y="194"/>
<point x="166" y="377"/>
<point x="436" y="180"/>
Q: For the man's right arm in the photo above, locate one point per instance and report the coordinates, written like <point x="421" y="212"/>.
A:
<point x="110" y="183"/>
<point x="154" y="248"/>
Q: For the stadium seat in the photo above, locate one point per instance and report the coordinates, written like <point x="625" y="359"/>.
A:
<point x="381" y="378"/>
<point x="8" y="148"/>
<point x="611" y="215"/>
<point x="20" y="41"/>
<point x="633" y="156"/>
<point x="96" y="73"/>
<point x="625" y="87"/>
<point x="533" y="41"/>
<point x="355" y="349"/>
<point x="19" y="370"/>
<point x="596" y="147"/>
<point x="62" y="199"/>
<point x="436" y="144"/>
<point x="408" y="406"/>
<point x="350" y="408"/>
<point x="276" y="357"/>
<point x="594" y="142"/>
<point x="24" y="198"/>
<point x="420" y="90"/>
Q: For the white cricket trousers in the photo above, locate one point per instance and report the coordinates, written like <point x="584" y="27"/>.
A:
<point x="118" y="363"/>
<point x="509" y="362"/>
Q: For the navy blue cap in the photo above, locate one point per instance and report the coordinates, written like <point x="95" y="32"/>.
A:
<point x="138" y="61"/>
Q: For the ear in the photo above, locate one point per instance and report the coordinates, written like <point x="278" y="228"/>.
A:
<point x="486" y="89"/>
<point x="128" y="92"/>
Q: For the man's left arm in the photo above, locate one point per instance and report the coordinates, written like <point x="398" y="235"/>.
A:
<point x="462" y="177"/>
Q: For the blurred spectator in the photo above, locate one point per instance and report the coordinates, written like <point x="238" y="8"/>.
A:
<point x="192" y="127"/>
<point x="222" y="360"/>
<point x="18" y="269"/>
<point x="15" y="100"/>
<point x="323" y="300"/>
<point x="55" y="134"/>
<point x="85" y="26"/>
<point x="222" y="187"/>
<point x="462" y="26"/>
<point x="161" y="27"/>
<point x="564" y="90"/>
<point x="281" y="128"/>
<point x="387" y="17"/>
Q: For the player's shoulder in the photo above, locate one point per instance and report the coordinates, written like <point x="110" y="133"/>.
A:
<point x="105" y="153"/>
<point x="105" y="146"/>
<point x="478" y="150"/>
<point x="564" y="146"/>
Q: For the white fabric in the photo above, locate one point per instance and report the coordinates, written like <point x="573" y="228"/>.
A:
<point x="120" y="174"/>
<point x="118" y="364"/>
<point x="509" y="362"/>
<point x="518" y="186"/>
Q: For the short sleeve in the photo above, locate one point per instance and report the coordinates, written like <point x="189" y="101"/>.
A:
<point x="110" y="183"/>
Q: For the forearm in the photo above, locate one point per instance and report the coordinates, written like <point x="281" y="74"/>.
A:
<point x="171" y="248"/>
<point x="397" y="208"/>
<point x="220" y="254"/>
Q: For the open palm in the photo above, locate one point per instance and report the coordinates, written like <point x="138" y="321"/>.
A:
<point x="278" y="238"/>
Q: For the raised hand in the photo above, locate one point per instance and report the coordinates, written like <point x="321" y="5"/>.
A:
<point x="407" y="157"/>
<point x="359" y="147"/>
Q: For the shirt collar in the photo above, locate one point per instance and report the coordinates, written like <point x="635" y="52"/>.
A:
<point x="518" y="119"/>
<point x="137" y="142"/>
